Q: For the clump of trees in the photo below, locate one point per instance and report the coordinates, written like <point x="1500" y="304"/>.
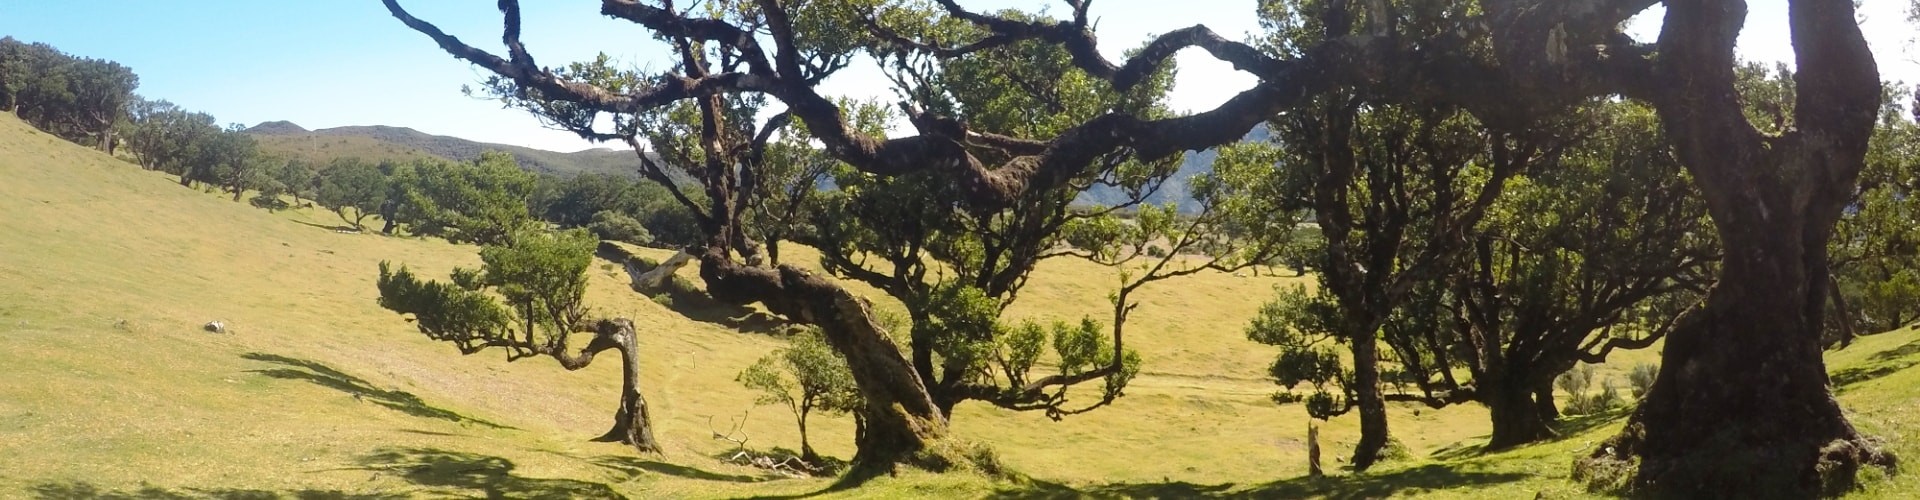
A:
<point x="80" y="99"/>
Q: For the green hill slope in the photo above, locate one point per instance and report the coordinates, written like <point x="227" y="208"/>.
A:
<point x="109" y="386"/>
<point x="400" y="143"/>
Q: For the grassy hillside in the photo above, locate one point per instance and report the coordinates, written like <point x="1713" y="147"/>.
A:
<point x="399" y="143"/>
<point x="109" y="387"/>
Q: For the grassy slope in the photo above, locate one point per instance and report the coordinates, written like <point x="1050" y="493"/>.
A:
<point x="402" y="144"/>
<point x="323" y="149"/>
<point x="107" y="384"/>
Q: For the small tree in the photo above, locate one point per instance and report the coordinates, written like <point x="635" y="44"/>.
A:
<point x="805" y="376"/>
<point x="526" y="300"/>
<point x="352" y="189"/>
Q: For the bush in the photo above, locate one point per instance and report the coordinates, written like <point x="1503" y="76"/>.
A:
<point x="1576" y="382"/>
<point x="615" y="226"/>
<point x="1641" y="378"/>
<point x="269" y="202"/>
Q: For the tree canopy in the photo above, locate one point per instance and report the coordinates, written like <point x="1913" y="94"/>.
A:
<point x="1773" y="195"/>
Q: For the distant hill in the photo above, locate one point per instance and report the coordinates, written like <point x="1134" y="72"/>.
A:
<point x="380" y="142"/>
<point x="1175" y="190"/>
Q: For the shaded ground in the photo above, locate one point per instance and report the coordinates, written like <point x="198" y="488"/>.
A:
<point x="1406" y="481"/>
<point x="472" y="473"/>
<point x="326" y="376"/>
<point x="80" y="490"/>
<point x="1880" y="364"/>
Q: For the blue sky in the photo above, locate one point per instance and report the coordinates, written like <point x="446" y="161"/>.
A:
<point x="334" y="63"/>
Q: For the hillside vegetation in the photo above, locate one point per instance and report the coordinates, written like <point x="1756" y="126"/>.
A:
<point x="375" y="143"/>
<point x="113" y="388"/>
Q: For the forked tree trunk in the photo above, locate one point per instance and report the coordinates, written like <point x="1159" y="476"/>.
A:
<point x="1741" y="407"/>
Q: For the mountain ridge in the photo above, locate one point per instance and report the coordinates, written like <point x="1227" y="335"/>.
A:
<point x="386" y="142"/>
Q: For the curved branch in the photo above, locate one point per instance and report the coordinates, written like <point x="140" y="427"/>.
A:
<point x="666" y="90"/>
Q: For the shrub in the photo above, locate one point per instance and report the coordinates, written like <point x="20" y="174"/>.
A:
<point x="269" y="202"/>
<point x="1641" y="378"/>
<point x="1576" y="382"/>
<point x="615" y="226"/>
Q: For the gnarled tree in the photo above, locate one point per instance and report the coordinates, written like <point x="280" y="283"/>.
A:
<point x="541" y="277"/>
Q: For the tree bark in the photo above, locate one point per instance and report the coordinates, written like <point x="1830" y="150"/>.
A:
<point x="632" y="424"/>
<point x="1742" y="406"/>
<point x="1543" y="401"/>
<point x="388" y="213"/>
<point x="1517" y="415"/>
<point x="899" y="419"/>
<point x="1366" y="388"/>
<point x="806" y="447"/>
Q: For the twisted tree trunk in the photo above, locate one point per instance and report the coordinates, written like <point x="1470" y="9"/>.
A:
<point x="631" y="423"/>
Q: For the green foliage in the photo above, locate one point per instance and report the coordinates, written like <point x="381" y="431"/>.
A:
<point x="1080" y="346"/>
<point x="1019" y="349"/>
<point x="1875" y="251"/>
<point x="577" y="201"/>
<point x="482" y="202"/>
<point x="1302" y="325"/>
<point x="162" y="136"/>
<point x="805" y="376"/>
<point x="443" y="311"/>
<point x="543" y="274"/>
<point x="538" y="277"/>
<point x="962" y="322"/>
<point x="77" y="98"/>
<point x="1641" y="378"/>
<point x="1577" y="382"/>
<point x="352" y="189"/>
<point x="615" y="226"/>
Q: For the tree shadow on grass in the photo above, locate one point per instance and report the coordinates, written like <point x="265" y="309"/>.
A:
<point x="695" y="304"/>
<point x="636" y="466"/>
<point x="1565" y="428"/>
<point x="1880" y="364"/>
<point x="80" y="490"/>
<point x="338" y="228"/>
<point x="478" y="475"/>
<point x="326" y="376"/>
<point x="1372" y="485"/>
